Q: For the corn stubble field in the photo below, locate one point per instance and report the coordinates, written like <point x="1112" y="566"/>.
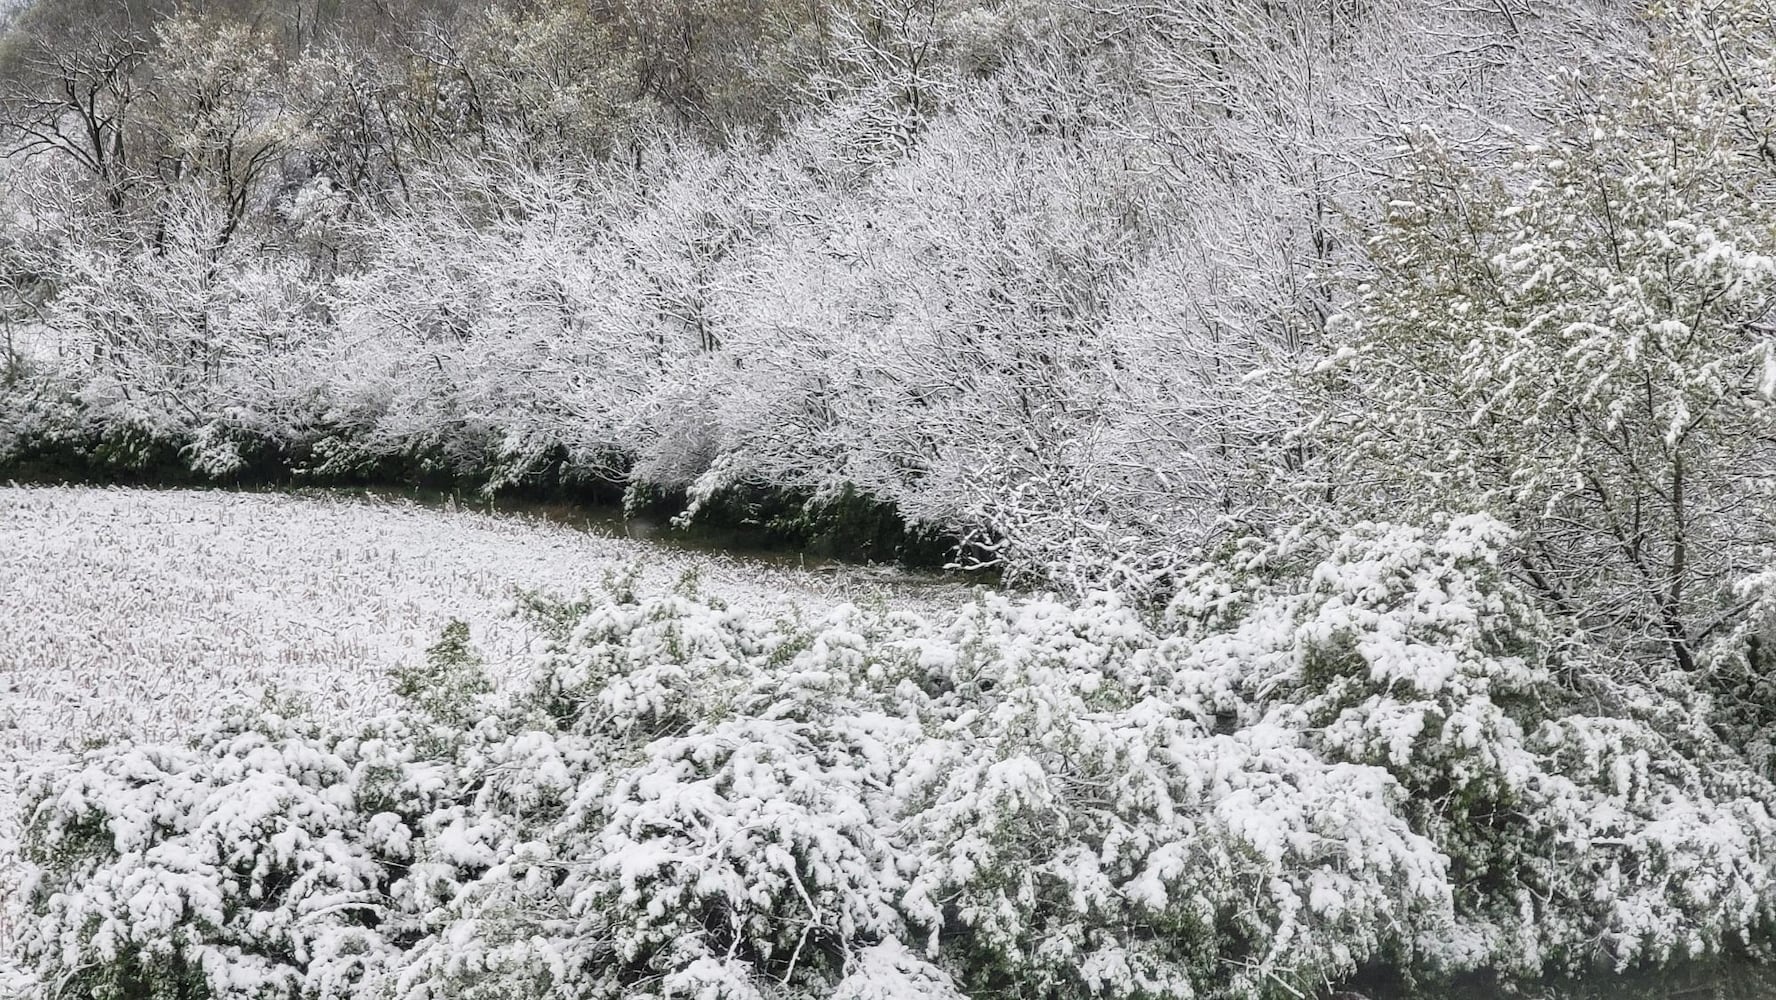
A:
<point x="134" y="614"/>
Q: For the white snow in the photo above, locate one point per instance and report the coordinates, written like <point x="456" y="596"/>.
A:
<point x="143" y="612"/>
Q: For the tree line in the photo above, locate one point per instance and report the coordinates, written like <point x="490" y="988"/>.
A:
<point x="1082" y="289"/>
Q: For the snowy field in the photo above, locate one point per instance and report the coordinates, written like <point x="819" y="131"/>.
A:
<point x="139" y="612"/>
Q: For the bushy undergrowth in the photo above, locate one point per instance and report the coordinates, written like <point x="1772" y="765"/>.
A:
<point x="1329" y="758"/>
<point x="51" y="435"/>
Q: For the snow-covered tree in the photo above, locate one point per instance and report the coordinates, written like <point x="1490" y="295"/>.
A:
<point x="1581" y="345"/>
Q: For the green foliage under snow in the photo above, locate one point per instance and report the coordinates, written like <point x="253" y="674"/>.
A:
<point x="1330" y="756"/>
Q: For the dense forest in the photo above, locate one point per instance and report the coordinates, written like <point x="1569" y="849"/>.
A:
<point x="1045" y="278"/>
<point x="1381" y="392"/>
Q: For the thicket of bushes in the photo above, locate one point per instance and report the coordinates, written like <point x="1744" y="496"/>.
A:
<point x="848" y="525"/>
<point x="1364" y="758"/>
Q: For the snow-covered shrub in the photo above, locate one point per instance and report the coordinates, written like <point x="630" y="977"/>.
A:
<point x="254" y="862"/>
<point x="448" y="685"/>
<point x="1342" y="755"/>
<point x="1130" y="854"/>
<point x="1588" y="817"/>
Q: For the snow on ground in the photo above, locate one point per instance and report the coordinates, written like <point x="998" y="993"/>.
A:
<point x="137" y="612"/>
